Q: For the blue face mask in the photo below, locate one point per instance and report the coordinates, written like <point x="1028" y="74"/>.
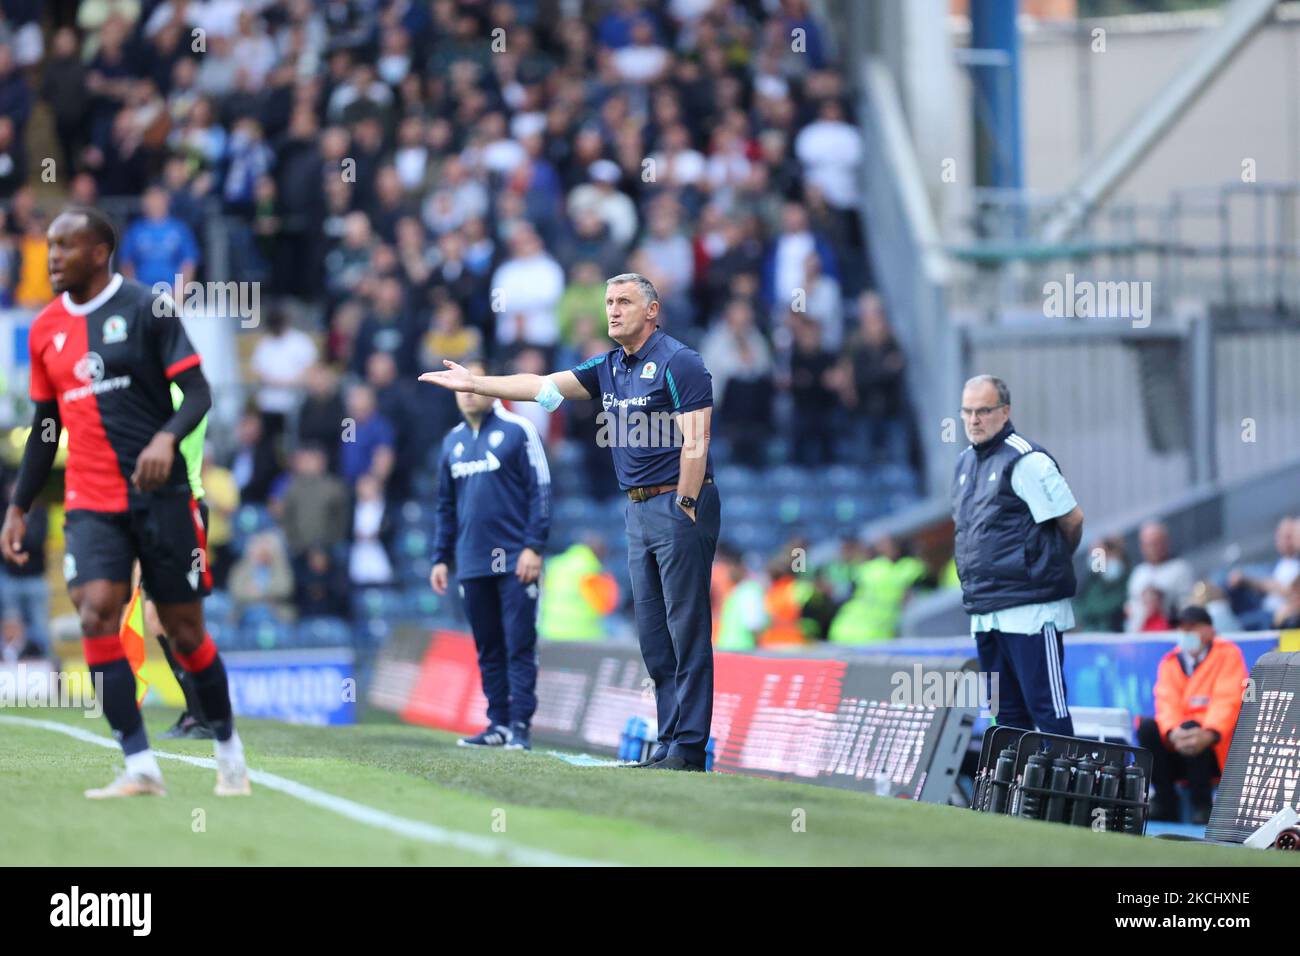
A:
<point x="1189" y="642"/>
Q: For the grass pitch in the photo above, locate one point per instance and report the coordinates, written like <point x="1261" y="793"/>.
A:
<point x="424" y="801"/>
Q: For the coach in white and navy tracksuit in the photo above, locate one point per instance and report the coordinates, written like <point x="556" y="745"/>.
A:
<point x="1017" y="525"/>
<point x="494" y="513"/>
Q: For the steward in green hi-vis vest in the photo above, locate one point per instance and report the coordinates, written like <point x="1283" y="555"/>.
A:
<point x="575" y="596"/>
<point x="743" y="617"/>
<point x="871" y="615"/>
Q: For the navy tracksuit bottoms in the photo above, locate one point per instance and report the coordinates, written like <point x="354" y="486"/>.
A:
<point x="671" y="560"/>
<point x="502" y="614"/>
<point x="1031" y="679"/>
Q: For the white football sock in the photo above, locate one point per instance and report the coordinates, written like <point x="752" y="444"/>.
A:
<point x="232" y="749"/>
<point x="144" y="763"/>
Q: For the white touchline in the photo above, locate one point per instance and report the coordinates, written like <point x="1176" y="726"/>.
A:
<point x="414" y="829"/>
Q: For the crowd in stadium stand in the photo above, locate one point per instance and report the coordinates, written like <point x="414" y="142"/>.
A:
<point x="411" y="182"/>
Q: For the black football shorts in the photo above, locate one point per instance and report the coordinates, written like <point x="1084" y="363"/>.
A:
<point x="167" y="532"/>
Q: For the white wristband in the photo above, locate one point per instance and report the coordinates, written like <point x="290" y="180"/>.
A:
<point x="549" y="397"/>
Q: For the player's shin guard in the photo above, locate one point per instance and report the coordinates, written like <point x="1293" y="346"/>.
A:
<point x="115" y="684"/>
<point x="210" y="686"/>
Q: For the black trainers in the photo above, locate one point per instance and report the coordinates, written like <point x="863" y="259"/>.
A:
<point x="520" y="739"/>
<point x="676" y="762"/>
<point x="496" y="735"/>
<point x="188" y="727"/>
<point x="649" y="761"/>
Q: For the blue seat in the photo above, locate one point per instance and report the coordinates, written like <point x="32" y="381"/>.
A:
<point x="266" y="635"/>
<point x="792" y="480"/>
<point x="571" y="511"/>
<point x="255" y="614"/>
<point x="250" y="519"/>
<point x="223" y="634"/>
<point x="324" y="632"/>
<point x="424" y="485"/>
<point x="736" y="478"/>
<point x="372" y="633"/>
<point x="371" y="603"/>
<point x="219" y="609"/>
<point x="749" y="507"/>
<point x="845" y="479"/>
<point x="848" y="509"/>
<point x="413" y="514"/>
<point x="414" y="543"/>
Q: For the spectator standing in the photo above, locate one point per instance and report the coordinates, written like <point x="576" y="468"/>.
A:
<point x="741" y="362"/>
<point x="159" y="247"/>
<point x="872" y="384"/>
<point x="527" y="288"/>
<point x="313" y="510"/>
<point x="369" y="563"/>
<point x="368" y="439"/>
<point x="64" y="88"/>
<point x="253" y="465"/>
<point x="279" y="364"/>
<point x="811" y="425"/>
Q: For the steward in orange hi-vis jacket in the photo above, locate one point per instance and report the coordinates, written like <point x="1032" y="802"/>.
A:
<point x="1210" y="695"/>
<point x="1198" y="698"/>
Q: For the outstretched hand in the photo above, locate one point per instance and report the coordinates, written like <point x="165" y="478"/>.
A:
<point x="457" y="378"/>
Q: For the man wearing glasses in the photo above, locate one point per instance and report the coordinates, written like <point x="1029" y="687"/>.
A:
<point x="1017" y="525"/>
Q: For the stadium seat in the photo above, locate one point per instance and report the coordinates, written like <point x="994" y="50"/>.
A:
<point x="413" y="514"/>
<point x="266" y="635"/>
<point x="219" y="609"/>
<point x="848" y="479"/>
<point x="372" y="603"/>
<point x="735" y="478"/>
<point x="324" y="632"/>
<point x="792" y="480"/>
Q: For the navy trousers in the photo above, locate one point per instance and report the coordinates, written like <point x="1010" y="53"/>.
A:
<point x="503" y="616"/>
<point x="671" y="560"/>
<point x="1031" y="679"/>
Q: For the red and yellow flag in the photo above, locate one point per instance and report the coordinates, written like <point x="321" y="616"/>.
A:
<point x="132" y="637"/>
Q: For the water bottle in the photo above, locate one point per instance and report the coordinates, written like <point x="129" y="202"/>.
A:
<point x="1111" y="777"/>
<point x="1085" y="775"/>
<point x="1004" y="773"/>
<point x="1032" y="804"/>
<point x="1135" y="788"/>
<point x="1060" y="786"/>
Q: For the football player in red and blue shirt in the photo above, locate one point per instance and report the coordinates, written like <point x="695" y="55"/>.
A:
<point x="104" y="355"/>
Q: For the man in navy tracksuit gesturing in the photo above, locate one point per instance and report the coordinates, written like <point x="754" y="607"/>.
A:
<point x="494" y="512"/>
<point x="657" y="398"/>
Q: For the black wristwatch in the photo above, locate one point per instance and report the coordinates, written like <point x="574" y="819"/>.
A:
<point x="685" y="502"/>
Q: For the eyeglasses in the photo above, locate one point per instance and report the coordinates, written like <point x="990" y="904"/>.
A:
<point x="984" y="412"/>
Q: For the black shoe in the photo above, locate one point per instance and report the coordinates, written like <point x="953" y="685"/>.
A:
<point x="649" y="761"/>
<point x="520" y="739"/>
<point x="189" y="727"/>
<point x="495" y="735"/>
<point x="677" y="762"/>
